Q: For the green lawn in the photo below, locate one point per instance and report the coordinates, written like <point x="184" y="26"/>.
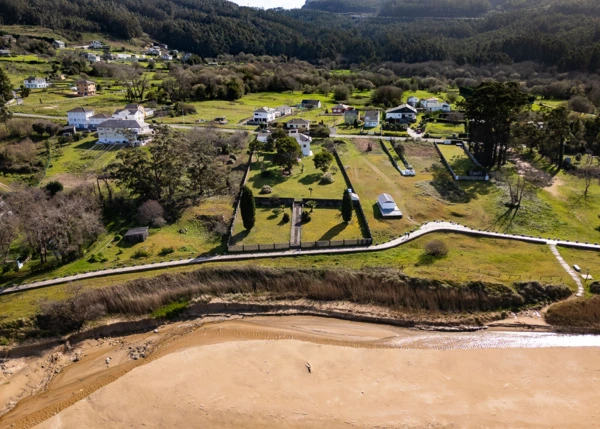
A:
<point x="586" y="259"/>
<point x="469" y="258"/>
<point x="444" y="129"/>
<point x="299" y="183"/>
<point x="457" y="158"/>
<point x="269" y="229"/>
<point x="327" y="224"/>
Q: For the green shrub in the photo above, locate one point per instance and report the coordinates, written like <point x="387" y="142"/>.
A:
<point x="141" y="253"/>
<point x="166" y="251"/>
<point x="266" y="189"/>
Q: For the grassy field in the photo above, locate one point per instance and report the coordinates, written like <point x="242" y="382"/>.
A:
<point x="269" y="229"/>
<point x="457" y="158"/>
<point x="327" y="224"/>
<point x="586" y="259"/>
<point x="444" y="129"/>
<point x="468" y="259"/>
<point x="298" y="184"/>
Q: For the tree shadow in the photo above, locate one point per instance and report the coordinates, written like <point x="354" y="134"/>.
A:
<point x="310" y="179"/>
<point x="457" y="192"/>
<point x="235" y="239"/>
<point x="334" y="232"/>
<point x="426" y="259"/>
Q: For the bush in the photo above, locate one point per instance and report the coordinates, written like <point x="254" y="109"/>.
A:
<point x="266" y="189"/>
<point x="54" y="187"/>
<point x="117" y="238"/>
<point x="595" y="288"/>
<point x="285" y="218"/>
<point x="141" y="253"/>
<point x="578" y="157"/>
<point x="436" y="248"/>
<point x="266" y="173"/>
<point x="327" y="178"/>
<point x="230" y="162"/>
<point x="306" y="217"/>
<point x="166" y="251"/>
<point x="233" y="156"/>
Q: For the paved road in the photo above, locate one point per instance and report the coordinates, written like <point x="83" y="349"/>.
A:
<point x="423" y="230"/>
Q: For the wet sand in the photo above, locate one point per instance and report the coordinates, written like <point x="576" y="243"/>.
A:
<point x="254" y="373"/>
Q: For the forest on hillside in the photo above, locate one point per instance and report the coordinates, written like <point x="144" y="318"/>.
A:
<point x="561" y="34"/>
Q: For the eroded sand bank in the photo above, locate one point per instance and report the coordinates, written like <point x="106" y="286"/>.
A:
<point x="250" y="374"/>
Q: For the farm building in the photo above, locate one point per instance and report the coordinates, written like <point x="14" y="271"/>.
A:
<point x="387" y="206"/>
<point x="136" y="235"/>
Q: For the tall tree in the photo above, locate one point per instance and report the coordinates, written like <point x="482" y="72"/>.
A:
<point x="491" y="110"/>
<point x="6" y="88"/>
<point x="558" y="131"/>
<point x="288" y="152"/>
<point x="347" y="206"/>
<point x="248" y="208"/>
<point x="323" y="160"/>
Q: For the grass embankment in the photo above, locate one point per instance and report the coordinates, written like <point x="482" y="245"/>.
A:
<point x="387" y="288"/>
<point x="480" y="259"/>
<point x="579" y="313"/>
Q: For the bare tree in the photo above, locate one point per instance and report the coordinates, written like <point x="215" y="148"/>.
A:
<point x="587" y="175"/>
<point x="135" y="82"/>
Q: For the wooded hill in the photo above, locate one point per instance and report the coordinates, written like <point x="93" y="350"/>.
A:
<point x="562" y="34"/>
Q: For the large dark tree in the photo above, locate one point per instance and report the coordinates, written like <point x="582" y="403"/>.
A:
<point x="347" y="206"/>
<point x="6" y="87"/>
<point x="248" y="208"/>
<point x="491" y="110"/>
<point x="288" y="152"/>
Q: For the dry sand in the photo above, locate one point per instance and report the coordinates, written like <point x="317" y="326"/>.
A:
<point x="250" y="374"/>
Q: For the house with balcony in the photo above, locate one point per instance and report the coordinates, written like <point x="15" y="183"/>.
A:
<point x="86" y="88"/>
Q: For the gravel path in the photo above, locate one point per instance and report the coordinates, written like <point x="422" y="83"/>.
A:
<point x="568" y="269"/>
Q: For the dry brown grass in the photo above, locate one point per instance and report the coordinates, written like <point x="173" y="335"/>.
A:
<point x="383" y="287"/>
<point x="576" y="313"/>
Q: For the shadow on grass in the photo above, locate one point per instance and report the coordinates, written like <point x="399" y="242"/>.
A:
<point x="377" y="212"/>
<point x="310" y="179"/>
<point x="426" y="259"/>
<point x="240" y="236"/>
<point x="334" y="232"/>
<point x="454" y="191"/>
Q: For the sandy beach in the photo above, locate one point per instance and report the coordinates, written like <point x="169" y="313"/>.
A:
<point x="255" y="373"/>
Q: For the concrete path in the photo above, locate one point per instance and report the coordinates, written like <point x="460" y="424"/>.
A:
<point x="296" y="233"/>
<point x="568" y="269"/>
<point x="430" y="227"/>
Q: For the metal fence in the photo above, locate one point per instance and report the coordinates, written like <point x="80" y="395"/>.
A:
<point x="252" y="248"/>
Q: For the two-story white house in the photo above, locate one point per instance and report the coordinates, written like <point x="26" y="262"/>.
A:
<point x="79" y="117"/>
<point x="264" y="115"/>
<point x="372" y="118"/>
<point x="403" y="113"/>
<point x="132" y="114"/>
<point x="435" y="105"/>
<point x="118" y="130"/>
<point x="303" y="140"/>
<point x="33" y="82"/>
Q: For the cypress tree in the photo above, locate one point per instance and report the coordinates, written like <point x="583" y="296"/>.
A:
<point x="5" y="86"/>
<point x="347" y="207"/>
<point x="247" y="208"/>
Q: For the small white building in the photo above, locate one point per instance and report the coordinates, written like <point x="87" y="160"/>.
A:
<point x="372" y="118"/>
<point x="263" y="137"/>
<point x="33" y="82"/>
<point x="153" y="51"/>
<point x="413" y="101"/>
<point x="402" y="113"/>
<point x="131" y="114"/>
<point x="298" y="124"/>
<point x="116" y="131"/>
<point x="283" y="111"/>
<point x="303" y="140"/>
<point x="80" y="117"/>
<point x="96" y="44"/>
<point x="387" y="206"/>
<point x="264" y="115"/>
<point x="166" y="57"/>
<point x="58" y="44"/>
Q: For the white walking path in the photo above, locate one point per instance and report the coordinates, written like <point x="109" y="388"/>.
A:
<point x="437" y="226"/>
<point x="568" y="269"/>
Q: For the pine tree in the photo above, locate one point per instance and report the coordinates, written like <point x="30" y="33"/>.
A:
<point x="347" y="207"/>
<point x="248" y="208"/>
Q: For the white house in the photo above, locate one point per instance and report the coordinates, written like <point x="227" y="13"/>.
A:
<point x="402" y="113"/>
<point x="96" y="120"/>
<point x="80" y="117"/>
<point x="35" y="83"/>
<point x="413" y="101"/>
<point x="298" y="124"/>
<point x="372" y="118"/>
<point x="116" y="131"/>
<point x="153" y="51"/>
<point x="435" y="105"/>
<point x="129" y="114"/>
<point x="93" y="58"/>
<point x="96" y="44"/>
<point x="283" y="111"/>
<point x="264" y="115"/>
<point x="387" y="206"/>
<point x="58" y="44"/>
<point x="263" y="137"/>
<point x="166" y="57"/>
<point x="303" y="140"/>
